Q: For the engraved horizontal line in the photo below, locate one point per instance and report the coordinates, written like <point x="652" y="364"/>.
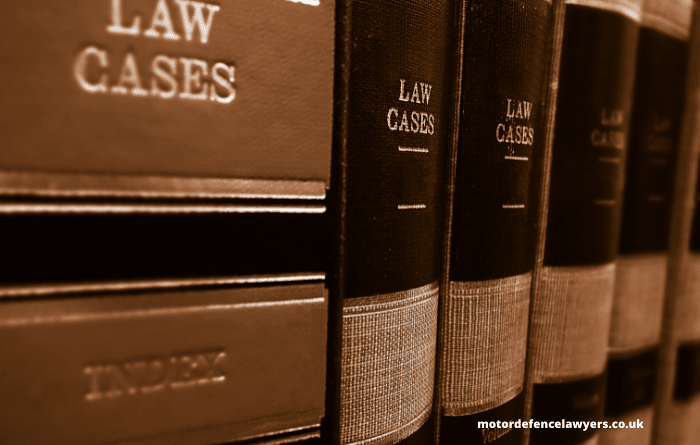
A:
<point x="83" y="288"/>
<point x="14" y="208"/>
<point x="411" y="206"/>
<point x="307" y="2"/>
<point x="605" y="202"/>
<point x="414" y="149"/>
<point x="610" y="160"/>
<point x="513" y="206"/>
<point x="69" y="318"/>
<point x="656" y="198"/>
<point x="517" y="158"/>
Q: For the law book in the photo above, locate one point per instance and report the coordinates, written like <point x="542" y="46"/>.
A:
<point x="677" y="405"/>
<point x="186" y="361"/>
<point x="387" y="198"/>
<point x="641" y="269"/>
<point x="167" y="99"/>
<point x="504" y="57"/>
<point x="573" y="279"/>
<point x="163" y="186"/>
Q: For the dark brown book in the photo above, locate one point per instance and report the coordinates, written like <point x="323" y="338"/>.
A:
<point x="485" y="295"/>
<point x="163" y="184"/>
<point x="198" y="361"/>
<point x="166" y="98"/>
<point x="387" y="200"/>
<point x="641" y="269"/>
<point x="573" y="280"/>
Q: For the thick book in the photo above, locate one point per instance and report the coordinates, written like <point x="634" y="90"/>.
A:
<point x="185" y="361"/>
<point x="167" y="98"/>
<point x="641" y="269"/>
<point x="111" y="316"/>
<point x="388" y="198"/>
<point x="573" y="285"/>
<point x="489" y="256"/>
<point x="163" y="185"/>
<point x="677" y="405"/>
<point x="677" y="395"/>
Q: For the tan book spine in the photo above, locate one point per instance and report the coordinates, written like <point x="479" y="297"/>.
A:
<point x="676" y="417"/>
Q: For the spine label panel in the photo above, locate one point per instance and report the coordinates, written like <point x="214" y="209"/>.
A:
<point x="630" y="382"/>
<point x="468" y="430"/>
<point x="578" y="401"/>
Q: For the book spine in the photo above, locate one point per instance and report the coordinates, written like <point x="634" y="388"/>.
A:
<point x="484" y="307"/>
<point x="573" y="287"/>
<point x="396" y="159"/>
<point x="184" y="361"/>
<point x="677" y="407"/>
<point x="640" y="278"/>
<point x="167" y="99"/>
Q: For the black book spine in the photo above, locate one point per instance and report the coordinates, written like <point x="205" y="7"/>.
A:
<point x="484" y="309"/>
<point x="395" y="171"/>
<point x="572" y="296"/>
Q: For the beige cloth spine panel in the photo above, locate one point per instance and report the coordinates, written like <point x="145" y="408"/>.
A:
<point x="680" y="423"/>
<point x="638" y="302"/>
<point x="484" y="341"/>
<point x="570" y="322"/>
<point x="635" y="325"/>
<point x="388" y="365"/>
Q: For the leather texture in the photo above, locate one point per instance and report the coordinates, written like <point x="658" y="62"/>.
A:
<point x="278" y="126"/>
<point x="214" y="365"/>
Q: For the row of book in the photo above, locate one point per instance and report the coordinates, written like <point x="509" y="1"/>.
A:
<point x="350" y="222"/>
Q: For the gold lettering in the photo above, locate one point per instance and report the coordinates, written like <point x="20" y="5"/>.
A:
<point x="80" y="69"/>
<point x="225" y="82"/>
<point x="116" y="27"/>
<point x="416" y="94"/>
<point x="188" y="22"/>
<point x="402" y="97"/>
<point x="129" y="77"/>
<point x="158" y="68"/>
<point x="161" y="19"/>
<point x="193" y="70"/>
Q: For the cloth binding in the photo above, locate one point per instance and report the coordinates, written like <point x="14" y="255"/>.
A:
<point x="570" y="322"/>
<point x="485" y="341"/>
<point x="638" y="302"/>
<point x="388" y="365"/>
